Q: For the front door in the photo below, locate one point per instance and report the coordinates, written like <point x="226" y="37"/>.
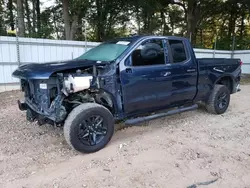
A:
<point x="146" y="78"/>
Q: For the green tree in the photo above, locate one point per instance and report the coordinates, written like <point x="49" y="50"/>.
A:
<point x="20" y="18"/>
<point x="2" y="22"/>
<point x="106" y="16"/>
<point x="204" y="21"/>
<point x="11" y="21"/>
<point x="73" y="11"/>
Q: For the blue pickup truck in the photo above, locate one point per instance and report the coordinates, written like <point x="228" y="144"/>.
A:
<point x="131" y="79"/>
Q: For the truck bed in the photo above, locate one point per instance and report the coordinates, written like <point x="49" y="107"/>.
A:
<point x="218" y="61"/>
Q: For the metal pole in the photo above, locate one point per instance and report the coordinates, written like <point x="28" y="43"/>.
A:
<point x="233" y="47"/>
<point x="215" y="46"/>
<point x="18" y="49"/>
<point x="190" y="37"/>
<point x="17" y="44"/>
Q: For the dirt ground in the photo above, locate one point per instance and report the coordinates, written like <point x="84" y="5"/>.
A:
<point x="176" y="151"/>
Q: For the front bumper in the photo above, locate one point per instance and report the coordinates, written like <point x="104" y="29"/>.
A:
<point x="33" y="113"/>
<point x="42" y="103"/>
<point x="55" y="113"/>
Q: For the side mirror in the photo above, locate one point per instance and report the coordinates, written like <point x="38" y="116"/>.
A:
<point x="150" y="51"/>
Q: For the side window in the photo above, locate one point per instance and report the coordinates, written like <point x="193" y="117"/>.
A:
<point x="178" y="51"/>
<point x="150" y="52"/>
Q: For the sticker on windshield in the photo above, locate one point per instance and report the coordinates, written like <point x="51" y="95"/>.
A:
<point x="123" y="42"/>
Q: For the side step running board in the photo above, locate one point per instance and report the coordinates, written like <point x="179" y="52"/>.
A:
<point x="159" y="115"/>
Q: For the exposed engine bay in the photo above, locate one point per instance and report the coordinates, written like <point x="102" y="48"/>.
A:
<point x="50" y="101"/>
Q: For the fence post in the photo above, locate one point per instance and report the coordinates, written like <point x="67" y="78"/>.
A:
<point x="17" y="44"/>
<point x="233" y="47"/>
<point x="215" y="45"/>
<point x="18" y="49"/>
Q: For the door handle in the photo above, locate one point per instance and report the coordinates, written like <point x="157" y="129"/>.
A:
<point x="167" y="73"/>
<point x="218" y="70"/>
<point x="191" y="70"/>
<point x="128" y="70"/>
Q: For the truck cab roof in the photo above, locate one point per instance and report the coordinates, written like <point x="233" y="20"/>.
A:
<point x="135" y="38"/>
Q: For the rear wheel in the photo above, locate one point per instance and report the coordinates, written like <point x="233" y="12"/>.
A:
<point x="219" y="100"/>
<point x="89" y="127"/>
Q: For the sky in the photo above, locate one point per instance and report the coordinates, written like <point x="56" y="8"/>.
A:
<point x="46" y="3"/>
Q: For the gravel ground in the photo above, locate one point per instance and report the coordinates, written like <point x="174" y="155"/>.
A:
<point x="176" y="151"/>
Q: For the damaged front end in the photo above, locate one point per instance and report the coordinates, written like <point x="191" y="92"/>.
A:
<point x="51" y="100"/>
<point x="43" y="100"/>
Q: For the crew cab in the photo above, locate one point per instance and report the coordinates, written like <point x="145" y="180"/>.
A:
<point x="131" y="79"/>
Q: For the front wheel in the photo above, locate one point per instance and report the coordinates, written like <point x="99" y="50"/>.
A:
<point x="89" y="127"/>
<point x="219" y="100"/>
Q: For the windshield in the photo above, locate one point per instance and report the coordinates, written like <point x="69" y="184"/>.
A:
<point x="106" y="51"/>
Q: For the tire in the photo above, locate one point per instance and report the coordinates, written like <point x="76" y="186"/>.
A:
<point x="219" y="100"/>
<point x="81" y="126"/>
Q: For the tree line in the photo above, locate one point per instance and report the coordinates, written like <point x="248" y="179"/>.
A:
<point x="202" y="21"/>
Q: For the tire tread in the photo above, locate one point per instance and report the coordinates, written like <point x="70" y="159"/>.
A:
<point x="84" y="108"/>
<point x="210" y="106"/>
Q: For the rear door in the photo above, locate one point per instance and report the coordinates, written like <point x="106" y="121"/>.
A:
<point x="184" y="73"/>
<point x="146" y="83"/>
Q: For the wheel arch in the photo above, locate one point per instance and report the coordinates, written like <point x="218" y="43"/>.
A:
<point x="98" y="96"/>
<point x="114" y="108"/>
<point x="226" y="80"/>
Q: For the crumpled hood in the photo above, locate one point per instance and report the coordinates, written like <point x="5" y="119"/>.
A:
<point x="45" y="70"/>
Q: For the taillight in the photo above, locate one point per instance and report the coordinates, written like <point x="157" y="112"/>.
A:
<point x="241" y="63"/>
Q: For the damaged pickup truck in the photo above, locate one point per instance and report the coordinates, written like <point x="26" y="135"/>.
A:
<point x="135" y="79"/>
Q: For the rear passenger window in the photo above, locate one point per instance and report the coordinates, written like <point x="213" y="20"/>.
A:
<point x="178" y="51"/>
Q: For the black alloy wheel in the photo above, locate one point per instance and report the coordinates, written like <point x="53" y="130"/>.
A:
<point x="92" y="130"/>
<point x="89" y="127"/>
